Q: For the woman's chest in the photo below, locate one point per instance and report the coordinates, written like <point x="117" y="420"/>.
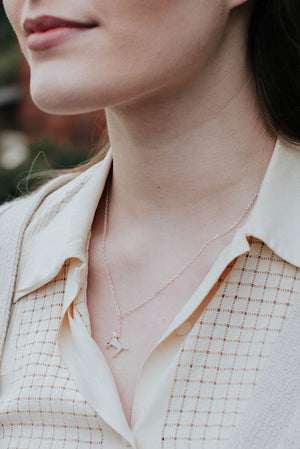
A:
<point x="215" y="369"/>
<point x="125" y="356"/>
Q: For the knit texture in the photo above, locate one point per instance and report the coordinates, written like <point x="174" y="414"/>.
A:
<point x="217" y="368"/>
<point x="270" y="419"/>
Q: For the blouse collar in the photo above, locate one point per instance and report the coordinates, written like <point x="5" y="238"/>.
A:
<point x="274" y="219"/>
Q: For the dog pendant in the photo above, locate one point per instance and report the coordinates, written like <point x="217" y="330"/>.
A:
<point x="114" y="343"/>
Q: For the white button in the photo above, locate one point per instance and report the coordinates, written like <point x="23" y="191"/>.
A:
<point x="184" y="328"/>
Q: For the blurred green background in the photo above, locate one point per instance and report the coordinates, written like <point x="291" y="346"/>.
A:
<point x="30" y="140"/>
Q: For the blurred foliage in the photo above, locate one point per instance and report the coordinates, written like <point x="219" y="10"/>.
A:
<point x="44" y="154"/>
<point x="7" y="34"/>
<point x="9" y="64"/>
<point x="9" y="51"/>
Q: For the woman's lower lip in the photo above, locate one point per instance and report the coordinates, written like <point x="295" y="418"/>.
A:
<point x="47" y="39"/>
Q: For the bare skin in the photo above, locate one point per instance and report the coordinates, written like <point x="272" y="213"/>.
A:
<point x="189" y="146"/>
<point x="150" y="237"/>
<point x="206" y="165"/>
<point x="136" y="279"/>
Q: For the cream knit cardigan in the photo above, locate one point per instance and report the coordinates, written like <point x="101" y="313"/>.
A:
<point x="272" y="418"/>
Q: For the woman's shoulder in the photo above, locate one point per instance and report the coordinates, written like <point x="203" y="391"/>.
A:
<point x="8" y="205"/>
<point x="17" y="212"/>
<point x="49" y="198"/>
<point x="53" y="192"/>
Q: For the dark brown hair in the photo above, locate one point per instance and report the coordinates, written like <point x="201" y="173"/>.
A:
<point x="274" y="57"/>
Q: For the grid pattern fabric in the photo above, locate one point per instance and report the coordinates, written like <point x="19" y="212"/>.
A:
<point x="217" y="364"/>
<point x="42" y="407"/>
<point x="228" y="347"/>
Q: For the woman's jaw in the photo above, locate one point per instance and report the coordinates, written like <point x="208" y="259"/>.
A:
<point x="127" y="51"/>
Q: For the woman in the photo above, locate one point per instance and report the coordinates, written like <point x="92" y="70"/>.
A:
<point x="152" y="295"/>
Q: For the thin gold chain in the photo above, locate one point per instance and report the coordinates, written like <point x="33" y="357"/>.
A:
<point x="121" y="315"/>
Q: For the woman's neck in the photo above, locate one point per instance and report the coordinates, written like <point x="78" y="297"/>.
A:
<point x="177" y="161"/>
<point x="192" y="146"/>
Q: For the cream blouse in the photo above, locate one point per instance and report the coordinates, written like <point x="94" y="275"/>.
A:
<point x="57" y="390"/>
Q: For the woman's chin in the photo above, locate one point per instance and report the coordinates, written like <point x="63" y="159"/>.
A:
<point x="51" y="107"/>
<point x="62" y="95"/>
<point x="61" y="104"/>
<point x="63" y="98"/>
<point x="57" y="102"/>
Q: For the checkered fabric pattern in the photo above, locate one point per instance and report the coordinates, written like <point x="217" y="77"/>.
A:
<point x="43" y="407"/>
<point x="228" y="347"/>
<point x="217" y="365"/>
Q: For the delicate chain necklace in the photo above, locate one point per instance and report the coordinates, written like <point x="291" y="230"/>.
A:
<point x="114" y="341"/>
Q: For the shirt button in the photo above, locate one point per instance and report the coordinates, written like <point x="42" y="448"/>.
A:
<point x="184" y="328"/>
